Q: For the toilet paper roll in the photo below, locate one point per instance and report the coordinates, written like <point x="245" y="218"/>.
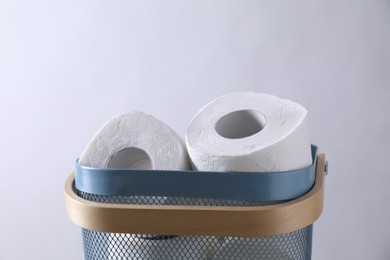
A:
<point x="136" y="140"/>
<point x="250" y="132"/>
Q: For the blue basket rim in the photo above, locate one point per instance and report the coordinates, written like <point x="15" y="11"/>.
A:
<point x="263" y="186"/>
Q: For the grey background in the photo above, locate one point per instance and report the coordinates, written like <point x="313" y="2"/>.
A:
<point x="66" y="67"/>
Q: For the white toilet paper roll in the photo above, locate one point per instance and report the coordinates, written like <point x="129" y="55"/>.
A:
<point x="136" y="140"/>
<point x="251" y="132"/>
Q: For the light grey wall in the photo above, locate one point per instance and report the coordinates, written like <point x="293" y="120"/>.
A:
<point x="66" y="67"/>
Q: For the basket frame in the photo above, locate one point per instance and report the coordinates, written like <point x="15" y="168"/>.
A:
<point x="247" y="221"/>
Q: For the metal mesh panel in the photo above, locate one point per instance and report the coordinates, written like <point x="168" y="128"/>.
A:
<point x="102" y="246"/>
<point x="155" y="200"/>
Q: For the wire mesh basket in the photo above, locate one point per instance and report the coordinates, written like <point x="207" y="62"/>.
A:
<point x="143" y="217"/>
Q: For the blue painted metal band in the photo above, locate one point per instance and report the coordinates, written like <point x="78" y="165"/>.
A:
<point x="266" y="186"/>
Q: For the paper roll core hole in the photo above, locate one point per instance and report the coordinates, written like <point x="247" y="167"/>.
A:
<point x="240" y="124"/>
<point x="130" y="158"/>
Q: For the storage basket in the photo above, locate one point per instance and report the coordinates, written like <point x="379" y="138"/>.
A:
<point x="128" y="214"/>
